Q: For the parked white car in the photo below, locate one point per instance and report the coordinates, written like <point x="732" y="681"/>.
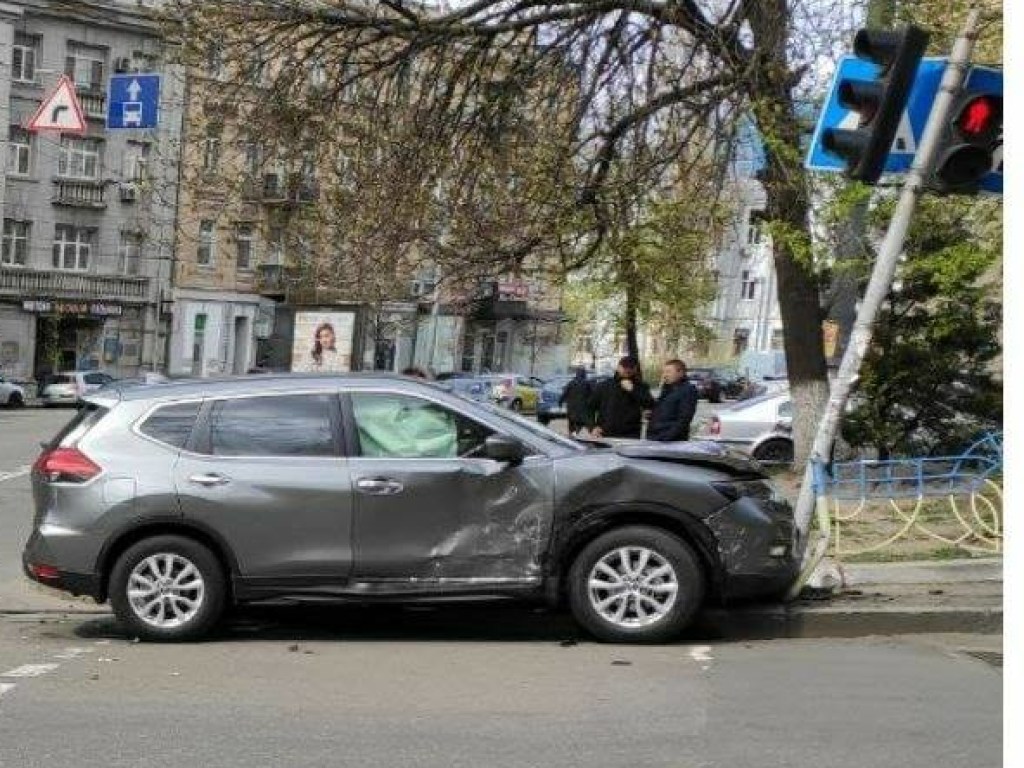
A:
<point x="11" y="394"/>
<point x="761" y="427"/>
<point x="67" y="387"/>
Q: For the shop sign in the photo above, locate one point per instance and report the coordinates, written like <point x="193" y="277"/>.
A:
<point x="87" y="308"/>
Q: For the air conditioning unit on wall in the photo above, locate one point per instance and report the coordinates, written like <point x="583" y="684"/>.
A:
<point x="123" y="64"/>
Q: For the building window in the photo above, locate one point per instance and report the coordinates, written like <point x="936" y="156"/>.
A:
<point x="244" y="246"/>
<point x="85" y="67"/>
<point x="211" y="153"/>
<point x="753" y="233"/>
<point x="207" y="250"/>
<point x="79" y="158"/>
<point x="130" y="254"/>
<point x="72" y="247"/>
<point x="198" y="342"/>
<point x="253" y="157"/>
<point x="19" y="151"/>
<point x="136" y="159"/>
<point x="15" y="243"/>
<point x="23" y="59"/>
<point x="215" y="60"/>
<point x="748" y="286"/>
<point x="740" y="341"/>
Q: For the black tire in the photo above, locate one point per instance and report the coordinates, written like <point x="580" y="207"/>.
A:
<point x="517" y="405"/>
<point x="774" y="451"/>
<point x="211" y="607"/>
<point x="15" y="400"/>
<point x="689" y="575"/>
<point x="544" y="420"/>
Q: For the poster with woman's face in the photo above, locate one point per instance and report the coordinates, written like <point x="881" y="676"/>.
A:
<point x="323" y="342"/>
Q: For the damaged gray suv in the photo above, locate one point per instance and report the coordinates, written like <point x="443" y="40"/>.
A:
<point x="175" y="500"/>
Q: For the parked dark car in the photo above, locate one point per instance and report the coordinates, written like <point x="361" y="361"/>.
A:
<point x="707" y="383"/>
<point x="174" y="501"/>
<point x="731" y="383"/>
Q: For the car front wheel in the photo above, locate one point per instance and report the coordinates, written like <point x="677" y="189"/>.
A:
<point x="636" y="584"/>
<point x="168" y="588"/>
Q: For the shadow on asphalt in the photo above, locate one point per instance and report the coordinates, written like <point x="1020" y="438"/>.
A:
<point x="414" y="624"/>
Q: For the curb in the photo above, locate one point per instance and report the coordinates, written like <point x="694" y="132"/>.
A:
<point x="770" y="622"/>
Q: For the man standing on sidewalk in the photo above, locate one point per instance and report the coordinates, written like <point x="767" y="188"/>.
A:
<point x="676" y="406"/>
<point x="576" y="398"/>
<point x="617" y="405"/>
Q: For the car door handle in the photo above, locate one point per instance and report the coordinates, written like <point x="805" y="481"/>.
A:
<point x="379" y="486"/>
<point x="209" y="480"/>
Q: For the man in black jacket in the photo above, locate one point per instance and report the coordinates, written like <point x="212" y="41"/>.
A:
<point x="576" y="399"/>
<point x="676" y="406"/>
<point x="617" y="405"/>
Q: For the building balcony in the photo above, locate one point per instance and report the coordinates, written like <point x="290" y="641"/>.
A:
<point x="94" y="104"/>
<point x="79" y="194"/>
<point x="29" y="283"/>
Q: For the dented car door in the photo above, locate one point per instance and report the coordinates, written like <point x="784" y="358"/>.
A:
<point x="429" y="508"/>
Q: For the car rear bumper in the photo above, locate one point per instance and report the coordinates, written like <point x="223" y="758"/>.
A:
<point x="65" y="581"/>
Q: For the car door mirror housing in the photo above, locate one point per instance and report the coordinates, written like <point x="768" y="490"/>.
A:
<point x="504" y="448"/>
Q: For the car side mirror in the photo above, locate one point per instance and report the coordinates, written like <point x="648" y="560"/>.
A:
<point x="504" y="448"/>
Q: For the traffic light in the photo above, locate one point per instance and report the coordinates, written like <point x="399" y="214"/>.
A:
<point x="879" y="102"/>
<point x="973" y="135"/>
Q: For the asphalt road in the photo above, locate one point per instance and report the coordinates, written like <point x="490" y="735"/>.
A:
<point x="458" y="687"/>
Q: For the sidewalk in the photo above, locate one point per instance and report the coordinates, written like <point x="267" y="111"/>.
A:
<point x="964" y="596"/>
<point x="880" y="599"/>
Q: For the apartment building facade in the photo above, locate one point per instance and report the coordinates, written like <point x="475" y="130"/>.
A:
<point x="88" y="221"/>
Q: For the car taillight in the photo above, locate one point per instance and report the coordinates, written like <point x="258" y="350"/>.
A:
<point x="65" y="465"/>
<point x="715" y="426"/>
<point x="44" y="572"/>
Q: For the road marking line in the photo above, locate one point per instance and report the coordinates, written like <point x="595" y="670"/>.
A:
<point x="701" y="653"/>
<point x="70" y="653"/>
<point x="30" y="670"/>
<point x="6" y="688"/>
<point x="15" y="474"/>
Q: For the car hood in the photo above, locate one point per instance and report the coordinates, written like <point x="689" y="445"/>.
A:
<point x="703" y="453"/>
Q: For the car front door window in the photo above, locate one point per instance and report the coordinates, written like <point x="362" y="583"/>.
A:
<point x="403" y="427"/>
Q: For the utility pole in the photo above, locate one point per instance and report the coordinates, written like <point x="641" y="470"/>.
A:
<point x="879" y="286"/>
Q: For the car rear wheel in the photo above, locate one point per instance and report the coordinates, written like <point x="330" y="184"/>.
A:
<point x="168" y="588"/>
<point x="544" y="420"/>
<point x="517" y="405"/>
<point x="636" y="584"/>
<point x="15" y="400"/>
<point x="774" y="452"/>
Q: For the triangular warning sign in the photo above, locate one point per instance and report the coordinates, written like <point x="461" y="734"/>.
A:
<point x="60" y="111"/>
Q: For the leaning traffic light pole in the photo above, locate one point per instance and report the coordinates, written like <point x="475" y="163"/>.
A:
<point x="879" y="285"/>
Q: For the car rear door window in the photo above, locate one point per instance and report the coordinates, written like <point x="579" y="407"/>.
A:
<point x="96" y="378"/>
<point x="171" y="424"/>
<point x="279" y="425"/>
<point x="404" y="427"/>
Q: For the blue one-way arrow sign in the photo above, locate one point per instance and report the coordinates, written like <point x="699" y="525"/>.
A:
<point x="919" y="104"/>
<point x="133" y="101"/>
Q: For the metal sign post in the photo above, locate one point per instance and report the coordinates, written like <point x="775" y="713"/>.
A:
<point x="879" y="286"/>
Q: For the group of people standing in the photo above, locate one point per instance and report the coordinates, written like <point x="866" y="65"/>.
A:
<point x="615" y="407"/>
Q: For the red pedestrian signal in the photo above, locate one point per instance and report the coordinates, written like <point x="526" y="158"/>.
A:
<point x="973" y="135"/>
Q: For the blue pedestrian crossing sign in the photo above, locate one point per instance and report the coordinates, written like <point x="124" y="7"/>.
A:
<point x="133" y="101"/>
<point x="911" y="128"/>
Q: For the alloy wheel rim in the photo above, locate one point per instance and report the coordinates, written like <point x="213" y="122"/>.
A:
<point x="632" y="587"/>
<point x="166" y="590"/>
